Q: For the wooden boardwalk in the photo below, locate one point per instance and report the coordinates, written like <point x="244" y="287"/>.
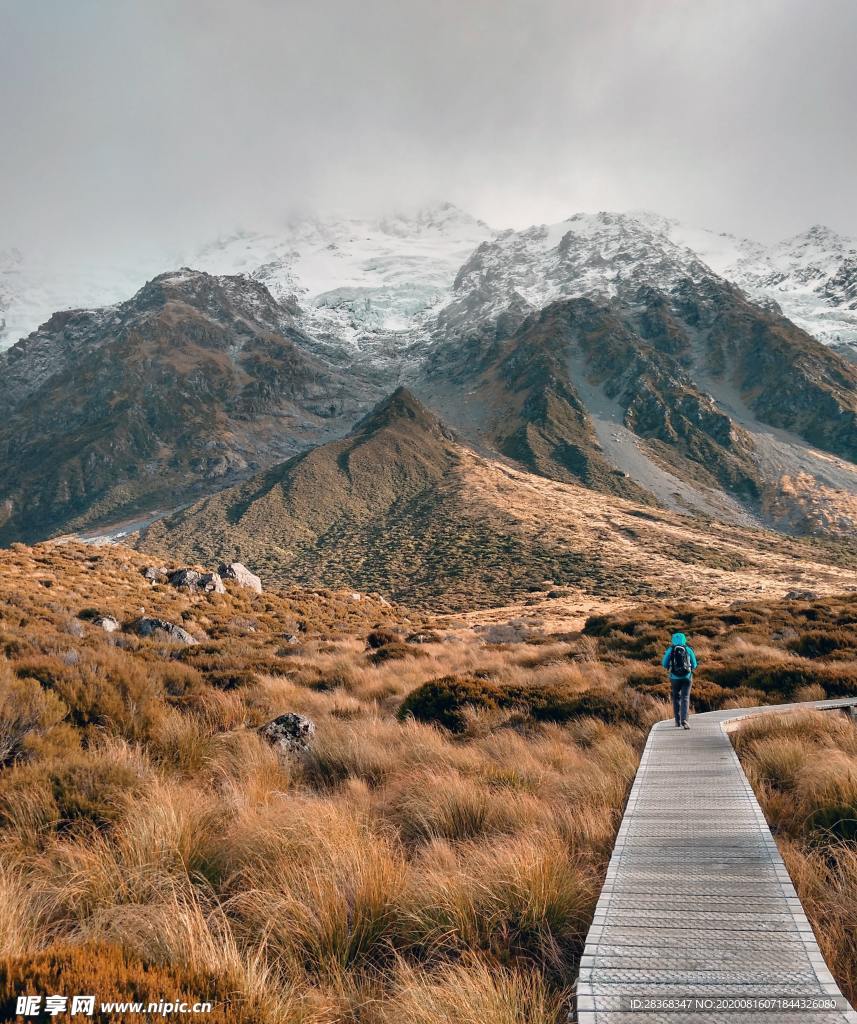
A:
<point x="698" y="920"/>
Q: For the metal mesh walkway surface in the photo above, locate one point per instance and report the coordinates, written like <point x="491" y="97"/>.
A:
<point x="698" y="920"/>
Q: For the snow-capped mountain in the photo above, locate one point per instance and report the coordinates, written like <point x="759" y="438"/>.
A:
<point x="810" y="277"/>
<point x="379" y="289"/>
<point x="602" y="349"/>
<point x="813" y="278"/>
<point x="356" y="281"/>
<point x="360" y="283"/>
<point x="602" y="254"/>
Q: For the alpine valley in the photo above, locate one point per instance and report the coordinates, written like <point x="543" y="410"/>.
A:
<point x="425" y="399"/>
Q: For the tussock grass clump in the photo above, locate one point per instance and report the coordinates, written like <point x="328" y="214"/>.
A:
<point x="803" y="766"/>
<point x="472" y="992"/>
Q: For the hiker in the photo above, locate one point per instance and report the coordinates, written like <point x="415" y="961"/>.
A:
<point x="680" y="660"/>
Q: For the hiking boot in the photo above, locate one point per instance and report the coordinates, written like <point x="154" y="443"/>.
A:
<point x="685" y="725"/>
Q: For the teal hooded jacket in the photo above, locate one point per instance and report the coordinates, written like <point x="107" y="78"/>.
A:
<point x="678" y="640"/>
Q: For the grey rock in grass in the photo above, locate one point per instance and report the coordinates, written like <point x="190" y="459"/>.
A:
<point x="289" y="733"/>
<point x="177" y="634"/>
<point x="241" y="575"/>
<point x="211" y="583"/>
<point x="198" y="582"/>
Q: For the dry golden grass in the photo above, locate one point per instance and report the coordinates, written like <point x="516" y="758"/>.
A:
<point x="396" y="870"/>
<point x="803" y="766"/>
<point x="472" y="992"/>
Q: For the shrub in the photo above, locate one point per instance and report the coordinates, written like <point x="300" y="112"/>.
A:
<point x="446" y="702"/>
<point x="230" y="679"/>
<point x="779" y="680"/>
<point x="819" y="643"/>
<point x="608" y="706"/>
<point x="86" y="786"/>
<point x="179" y="681"/>
<point x="395" y="652"/>
<point x="443" y="701"/>
<point x="106" y="689"/>
<point x="380" y="638"/>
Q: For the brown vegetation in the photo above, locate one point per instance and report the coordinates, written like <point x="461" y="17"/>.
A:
<point x="803" y="767"/>
<point x="151" y="840"/>
<point x="435" y="855"/>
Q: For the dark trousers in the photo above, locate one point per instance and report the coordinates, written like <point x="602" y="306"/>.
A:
<point x="681" y="698"/>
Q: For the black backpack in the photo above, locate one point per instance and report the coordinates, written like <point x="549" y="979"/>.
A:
<point x="679" y="662"/>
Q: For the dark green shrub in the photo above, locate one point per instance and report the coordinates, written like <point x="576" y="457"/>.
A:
<point x="444" y="701"/>
<point x="778" y="680"/>
<point x="381" y="637"/>
<point x="819" y="643"/>
<point x="610" y="706"/>
<point x="395" y="652"/>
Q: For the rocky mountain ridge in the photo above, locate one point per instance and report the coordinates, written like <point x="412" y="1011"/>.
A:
<point x="195" y="381"/>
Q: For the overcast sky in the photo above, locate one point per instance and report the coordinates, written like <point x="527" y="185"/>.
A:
<point x="145" y="123"/>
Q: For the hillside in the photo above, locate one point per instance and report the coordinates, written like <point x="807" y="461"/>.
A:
<point x="195" y="381"/>
<point x="694" y="397"/>
<point x="402" y="507"/>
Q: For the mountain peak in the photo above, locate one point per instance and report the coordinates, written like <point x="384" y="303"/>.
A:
<point x="818" y="236"/>
<point x="401" y="408"/>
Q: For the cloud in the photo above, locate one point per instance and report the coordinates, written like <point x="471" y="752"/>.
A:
<point x="137" y="125"/>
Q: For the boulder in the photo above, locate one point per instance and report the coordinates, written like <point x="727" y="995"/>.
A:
<point x="150" y="627"/>
<point x="289" y="733"/>
<point x="194" y="580"/>
<point x="106" y="622"/>
<point x="211" y="583"/>
<point x="154" y="574"/>
<point x="241" y="575"/>
<point x="185" y="578"/>
<point x="801" y="595"/>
